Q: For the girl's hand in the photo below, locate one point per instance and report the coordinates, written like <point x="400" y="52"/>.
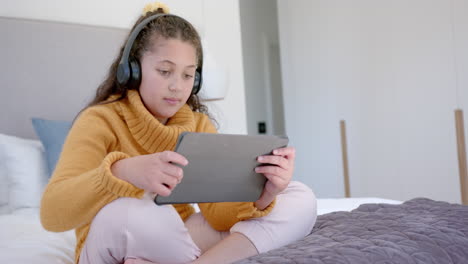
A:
<point x="278" y="169"/>
<point x="155" y="173"/>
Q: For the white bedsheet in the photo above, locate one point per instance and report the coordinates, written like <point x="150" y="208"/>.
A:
<point x="24" y="241"/>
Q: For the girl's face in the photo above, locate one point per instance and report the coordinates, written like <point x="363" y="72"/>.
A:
<point x="168" y="71"/>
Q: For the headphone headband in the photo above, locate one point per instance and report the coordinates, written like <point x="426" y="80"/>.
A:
<point x="123" y="74"/>
<point x="135" y="33"/>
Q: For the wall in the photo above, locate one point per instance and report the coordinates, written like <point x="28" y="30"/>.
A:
<point x="117" y="14"/>
<point x="460" y="52"/>
<point x="259" y="26"/>
<point x="387" y="68"/>
<point x="220" y="29"/>
<point x="309" y="107"/>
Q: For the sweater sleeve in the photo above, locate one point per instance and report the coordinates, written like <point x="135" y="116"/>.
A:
<point x="222" y="216"/>
<point x="82" y="182"/>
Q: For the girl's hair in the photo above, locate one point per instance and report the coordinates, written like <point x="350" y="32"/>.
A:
<point x="168" y="27"/>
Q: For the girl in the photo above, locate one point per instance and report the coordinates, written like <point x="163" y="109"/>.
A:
<point x="119" y="151"/>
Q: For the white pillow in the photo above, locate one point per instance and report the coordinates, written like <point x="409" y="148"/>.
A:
<point x="26" y="170"/>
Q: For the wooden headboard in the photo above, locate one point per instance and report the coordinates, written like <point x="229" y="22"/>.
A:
<point x="50" y="70"/>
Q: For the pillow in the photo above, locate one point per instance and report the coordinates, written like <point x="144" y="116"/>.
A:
<point x="26" y="170"/>
<point x="52" y="134"/>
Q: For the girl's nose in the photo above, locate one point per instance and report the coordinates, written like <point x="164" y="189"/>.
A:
<point x="174" y="85"/>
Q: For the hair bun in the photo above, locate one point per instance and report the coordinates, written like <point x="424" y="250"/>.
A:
<point x="153" y="7"/>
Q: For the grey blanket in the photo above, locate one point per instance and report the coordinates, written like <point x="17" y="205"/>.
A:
<point x="417" y="231"/>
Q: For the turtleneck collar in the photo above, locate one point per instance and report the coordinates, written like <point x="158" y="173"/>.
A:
<point x="151" y="134"/>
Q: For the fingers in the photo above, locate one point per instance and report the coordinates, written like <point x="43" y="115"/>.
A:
<point x="162" y="190"/>
<point x="271" y="170"/>
<point x="281" y="163"/>
<point x="166" y="172"/>
<point x="170" y="182"/>
<point x="274" y="160"/>
<point x="173" y="157"/>
<point x="277" y="168"/>
<point x="166" y="186"/>
<point x="288" y="152"/>
<point x="172" y="175"/>
<point x="283" y="157"/>
<point x="173" y="171"/>
<point x="279" y="182"/>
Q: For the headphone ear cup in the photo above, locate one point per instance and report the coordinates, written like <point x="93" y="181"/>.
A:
<point x="123" y="74"/>
<point x="197" y="82"/>
<point x="135" y="74"/>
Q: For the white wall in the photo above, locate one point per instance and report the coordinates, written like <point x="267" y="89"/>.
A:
<point x="259" y="27"/>
<point x="119" y="13"/>
<point x="217" y="22"/>
<point x="460" y="11"/>
<point x="386" y="67"/>
<point x="309" y="106"/>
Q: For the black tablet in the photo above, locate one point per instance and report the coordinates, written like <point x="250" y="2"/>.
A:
<point x="221" y="167"/>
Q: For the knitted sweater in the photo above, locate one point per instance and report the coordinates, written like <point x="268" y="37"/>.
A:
<point x="83" y="183"/>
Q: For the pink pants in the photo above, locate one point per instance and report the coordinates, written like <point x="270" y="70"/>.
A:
<point x="134" y="228"/>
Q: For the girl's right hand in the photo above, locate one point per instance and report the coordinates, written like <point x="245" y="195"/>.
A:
<point x="156" y="173"/>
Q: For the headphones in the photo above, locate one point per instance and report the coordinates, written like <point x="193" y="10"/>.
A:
<point x="129" y="71"/>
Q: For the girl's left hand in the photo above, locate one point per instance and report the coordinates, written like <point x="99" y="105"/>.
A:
<point x="278" y="169"/>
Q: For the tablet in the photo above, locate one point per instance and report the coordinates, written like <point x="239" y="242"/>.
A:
<point x="221" y="167"/>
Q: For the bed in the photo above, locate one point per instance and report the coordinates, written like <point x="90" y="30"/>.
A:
<point x="348" y="230"/>
<point x="371" y="233"/>
<point x="24" y="173"/>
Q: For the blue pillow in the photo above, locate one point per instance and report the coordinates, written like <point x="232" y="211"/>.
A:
<point x="52" y="134"/>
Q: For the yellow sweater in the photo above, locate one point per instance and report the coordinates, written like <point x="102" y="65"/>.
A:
<point x="82" y="182"/>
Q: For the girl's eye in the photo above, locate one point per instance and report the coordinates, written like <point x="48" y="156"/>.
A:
<point x="164" y="72"/>
<point x="188" y="76"/>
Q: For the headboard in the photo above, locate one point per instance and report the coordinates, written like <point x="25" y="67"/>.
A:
<point x="50" y="70"/>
